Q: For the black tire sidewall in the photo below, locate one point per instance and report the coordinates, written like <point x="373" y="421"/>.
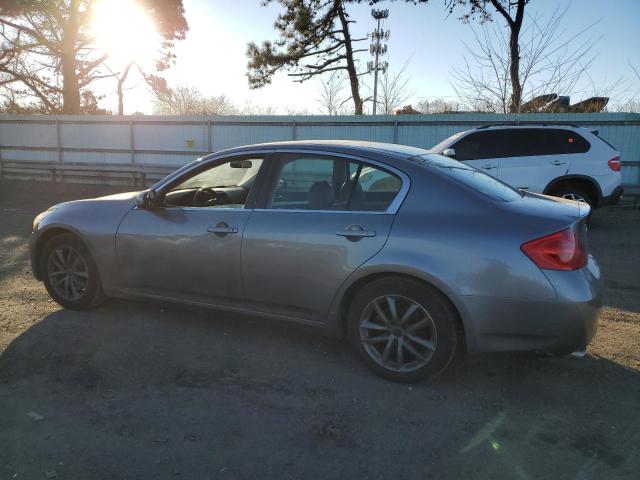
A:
<point x="93" y="292"/>
<point x="431" y="300"/>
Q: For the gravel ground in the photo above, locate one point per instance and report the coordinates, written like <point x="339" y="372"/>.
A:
<point x="142" y="391"/>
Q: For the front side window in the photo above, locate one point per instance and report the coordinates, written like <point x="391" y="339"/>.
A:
<point x="328" y="183"/>
<point x="225" y="185"/>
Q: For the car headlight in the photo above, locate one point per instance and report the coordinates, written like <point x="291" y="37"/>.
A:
<point x="41" y="216"/>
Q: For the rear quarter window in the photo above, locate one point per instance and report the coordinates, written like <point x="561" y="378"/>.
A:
<point x="472" y="178"/>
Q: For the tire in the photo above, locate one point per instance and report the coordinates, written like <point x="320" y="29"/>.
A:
<point x="70" y="274"/>
<point x="432" y="321"/>
<point x="575" y="193"/>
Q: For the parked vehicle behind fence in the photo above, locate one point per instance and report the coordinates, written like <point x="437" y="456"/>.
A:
<point x="560" y="160"/>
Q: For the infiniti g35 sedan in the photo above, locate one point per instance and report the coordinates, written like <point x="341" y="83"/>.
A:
<point x="413" y="256"/>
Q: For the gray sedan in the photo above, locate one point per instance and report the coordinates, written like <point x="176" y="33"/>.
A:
<point x="413" y="256"/>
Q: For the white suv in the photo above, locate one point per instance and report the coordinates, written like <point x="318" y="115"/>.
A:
<point x="560" y="160"/>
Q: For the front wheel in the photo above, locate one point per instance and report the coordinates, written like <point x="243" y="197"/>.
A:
<point x="70" y="274"/>
<point x="403" y="330"/>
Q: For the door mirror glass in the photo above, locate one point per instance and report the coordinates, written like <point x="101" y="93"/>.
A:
<point x="449" y="152"/>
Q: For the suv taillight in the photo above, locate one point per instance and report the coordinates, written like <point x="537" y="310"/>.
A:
<point x="557" y="251"/>
<point x="614" y="164"/>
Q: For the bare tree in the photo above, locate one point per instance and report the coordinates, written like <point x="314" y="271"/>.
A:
<point x="332" y="96"/>
<point x="550" y="61"/>
<point x="438" y="105"/>
<point x="188" y="100"/>
<point x="394" y="89"/>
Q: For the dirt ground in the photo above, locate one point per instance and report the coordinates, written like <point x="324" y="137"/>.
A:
<point x="143" y="391"/>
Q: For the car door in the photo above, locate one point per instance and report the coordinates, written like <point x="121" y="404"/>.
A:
<point x="188" y="246"/>
<point x="321" y="220"/>
<point x="480" y="149"/>
<point x="536" y="156"/>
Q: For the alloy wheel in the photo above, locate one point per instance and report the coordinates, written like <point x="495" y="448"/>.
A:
<point x="68" y="272"/>
<point x="398" y="333"/>
<point x="574" y="196"/>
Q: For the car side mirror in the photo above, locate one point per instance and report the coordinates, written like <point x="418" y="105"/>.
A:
<point x="147" y="199"/>
<point x="449" y="152"/>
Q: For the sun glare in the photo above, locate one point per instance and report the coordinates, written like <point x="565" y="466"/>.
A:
<point x="124" y="31"/>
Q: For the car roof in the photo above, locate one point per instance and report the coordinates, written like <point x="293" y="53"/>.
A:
<point x="337" y="146"/>
<point x="527" y="125"/>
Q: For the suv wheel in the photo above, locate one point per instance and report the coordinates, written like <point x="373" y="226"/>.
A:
<point x="403" y="330"/>
<point x="576" y="193"/>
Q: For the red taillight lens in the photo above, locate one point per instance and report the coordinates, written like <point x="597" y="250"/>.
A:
<point x="614" y="164"/>
<point x="558" y="251"/>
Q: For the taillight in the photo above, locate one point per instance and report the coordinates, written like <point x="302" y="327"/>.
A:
<point x="614" y="164"/>
<point x="558" y="251"/>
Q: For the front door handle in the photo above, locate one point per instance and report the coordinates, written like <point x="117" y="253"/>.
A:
<point x="221" y="229"/>
<point x="355" y="233"/>
<point x="489" y="167"/>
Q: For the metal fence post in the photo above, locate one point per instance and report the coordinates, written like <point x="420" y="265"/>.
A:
<point x="294" y="133"/>
<point x="209" y="139"/>
<point x="54" y="173"/>
<point x="395" y="131"/>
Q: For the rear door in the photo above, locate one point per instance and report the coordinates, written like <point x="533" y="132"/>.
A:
<point x="323" y="217"/>
<point x="536" y="156"/>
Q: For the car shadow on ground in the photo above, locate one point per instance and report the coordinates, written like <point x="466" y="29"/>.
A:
<point x="141" y="390"/>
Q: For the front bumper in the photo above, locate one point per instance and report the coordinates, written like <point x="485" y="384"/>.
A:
<point x="561" y="326"/>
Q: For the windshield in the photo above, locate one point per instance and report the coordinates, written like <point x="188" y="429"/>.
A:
<point x="226" y="175"/>
<point x="471" y="177"/>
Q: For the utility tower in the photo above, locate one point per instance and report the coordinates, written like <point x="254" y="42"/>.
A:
<point x="377" y="48"/>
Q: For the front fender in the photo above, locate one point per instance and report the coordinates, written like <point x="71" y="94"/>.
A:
<point x="94" y="221"/>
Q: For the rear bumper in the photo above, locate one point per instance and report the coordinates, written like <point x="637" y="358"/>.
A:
<point x="614" y="198"/>
<point x="561" y="326"/>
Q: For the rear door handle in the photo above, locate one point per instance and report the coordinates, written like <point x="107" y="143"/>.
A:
<point x="489" y="167"/>
<point x="222" y="229"/>
<point x="355" y="232"/>
<point x="558" y="162"/>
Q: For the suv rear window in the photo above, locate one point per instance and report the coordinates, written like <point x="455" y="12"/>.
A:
<point x="471" y="177"/>
<point x="519" y="142"/>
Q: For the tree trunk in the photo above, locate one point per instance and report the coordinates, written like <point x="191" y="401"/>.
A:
<point x="514" y="58"/>
<point x="121" y="81"/>
<point x="70" y="85"/>
<point x="351" y="66"/>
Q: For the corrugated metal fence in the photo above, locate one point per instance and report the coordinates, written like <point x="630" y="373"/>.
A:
<point x="140" y="149"/>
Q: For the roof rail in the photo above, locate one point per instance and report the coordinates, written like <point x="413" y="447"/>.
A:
<point x="518" y="123"/>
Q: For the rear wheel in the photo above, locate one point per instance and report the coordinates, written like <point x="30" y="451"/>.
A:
<point x="403" y="330"/>
<point x="69" y="273"/>
<point x="577" y="193"/>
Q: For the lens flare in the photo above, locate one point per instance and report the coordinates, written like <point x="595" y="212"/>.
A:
<point x="124" y="31"/>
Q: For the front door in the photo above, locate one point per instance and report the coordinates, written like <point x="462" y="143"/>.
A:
<point x="188" y="246"/>
<point x="325" y="217"/>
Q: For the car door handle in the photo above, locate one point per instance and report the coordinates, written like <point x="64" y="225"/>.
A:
<point x="489" y="167"/>
<point x="222" y="229"/>
<point x="355" y="232"/>
<point x="558" y="162"/>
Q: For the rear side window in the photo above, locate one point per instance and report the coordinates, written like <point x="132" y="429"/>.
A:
<point x="520" y="142"/>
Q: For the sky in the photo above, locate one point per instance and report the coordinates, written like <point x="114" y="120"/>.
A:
<point x="213" y="58"/>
